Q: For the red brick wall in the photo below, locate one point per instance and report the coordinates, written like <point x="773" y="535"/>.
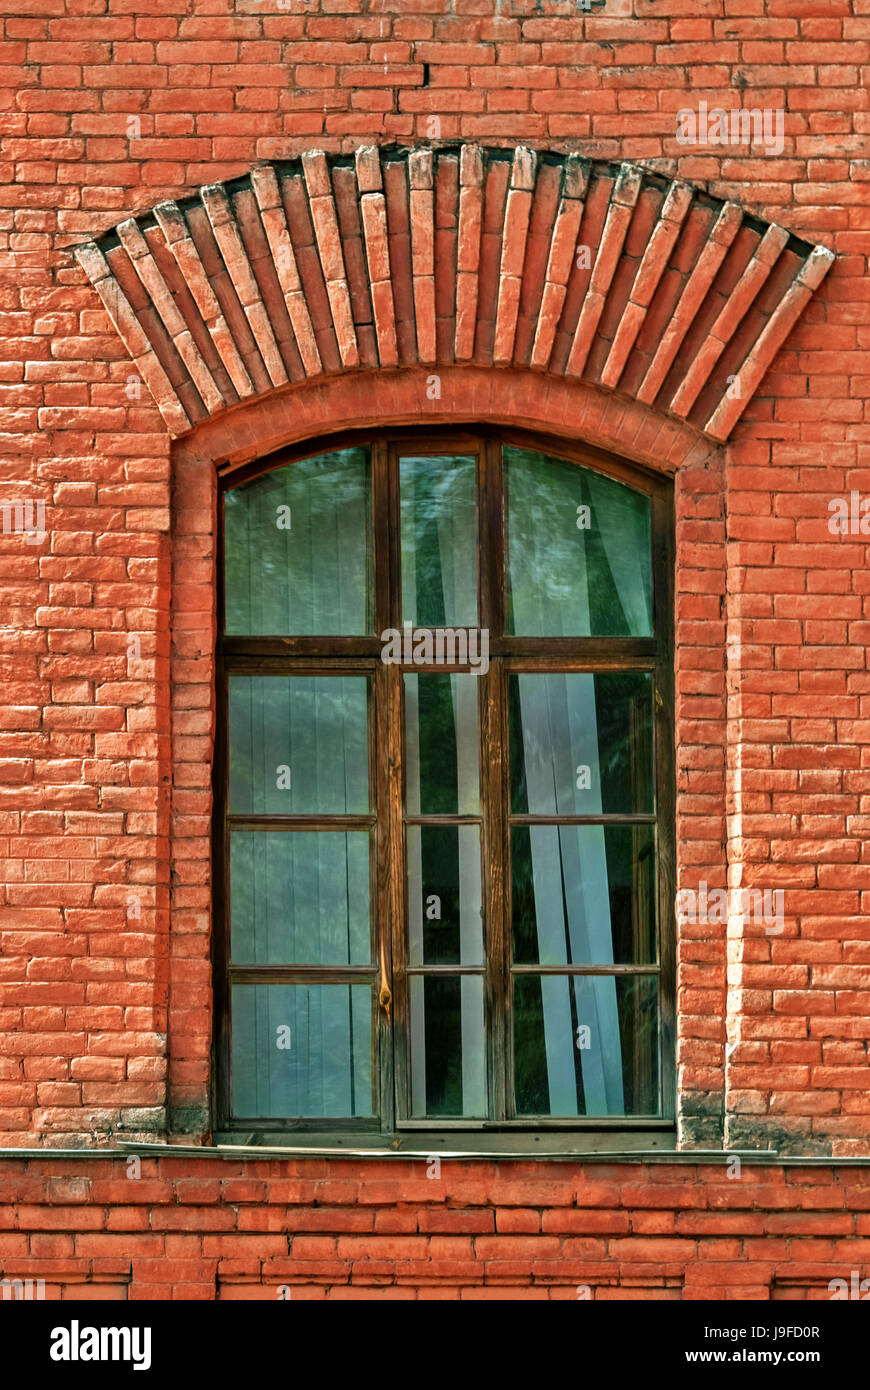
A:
<point x="370" y="1229"/>
<point x="104" y="775"/>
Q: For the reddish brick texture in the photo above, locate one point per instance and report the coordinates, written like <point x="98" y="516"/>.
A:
<point x="193" y="1228"/>
<point x="700" y="339"/>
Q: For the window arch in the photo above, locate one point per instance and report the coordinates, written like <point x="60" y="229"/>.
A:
<point x="444" y="800"/>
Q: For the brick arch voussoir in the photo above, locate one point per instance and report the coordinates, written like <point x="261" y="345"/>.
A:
<point x="649" y="293"/>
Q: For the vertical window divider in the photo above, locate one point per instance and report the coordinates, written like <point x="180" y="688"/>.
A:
<point x="493" y="765"/>
<point x="384" y="733"/>
<point x="395" y="1028"/>
<point x="385" y="948"/>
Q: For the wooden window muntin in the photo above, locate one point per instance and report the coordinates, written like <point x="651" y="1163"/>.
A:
<point x="387" y="820"/>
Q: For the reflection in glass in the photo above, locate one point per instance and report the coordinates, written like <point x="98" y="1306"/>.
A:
<point x="581" y="744"/>
<point x="448" y="1054"/>
<point x="441" y="745"/>
<point x="300" y="898"/>
<point x="445" y="921"/>
<point x="298" y="744"/>
<point x="298" y="550"/>
<point x="439" y="540"/>
<point x="583" y="894"/>
<point x="586" y="1045"/>
<point x="578" y="551"/>
<point x="302" y="1050"/>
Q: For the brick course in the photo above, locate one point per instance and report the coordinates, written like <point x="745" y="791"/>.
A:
<point x="204" y="1229"/>
<point x="107" y="632"/>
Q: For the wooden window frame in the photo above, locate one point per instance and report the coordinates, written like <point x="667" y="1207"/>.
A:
<point x="386" y="820"/>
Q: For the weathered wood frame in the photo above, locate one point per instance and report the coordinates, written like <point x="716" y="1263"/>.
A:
<point x="386" y="820"/>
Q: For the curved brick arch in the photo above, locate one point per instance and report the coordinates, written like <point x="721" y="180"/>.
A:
<point x="609" y="275"/>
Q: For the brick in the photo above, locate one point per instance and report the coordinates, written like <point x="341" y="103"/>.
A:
<point x="191" y="341"/>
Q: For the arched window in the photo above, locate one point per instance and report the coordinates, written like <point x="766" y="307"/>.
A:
<point x="444" y="789"/>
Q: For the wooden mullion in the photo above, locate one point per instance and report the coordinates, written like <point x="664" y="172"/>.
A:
<point x="578" y="653"/>
<point x="401" y="1008"/>
<point x="488" y="756"/>
<point x="393" y="786"/>
<point x="383" y="503"/>
<point x="567" y="969"/>
<point x="612" y="818"/>
<point x="489" y="760"/>
<point x="293" y="664"/>
<point x="447" y="819"/>
<point x="382" y="1068"/>
<point x="362" y="647"/>
<point x="445" y="970"/>
<point x="501" y="880"/>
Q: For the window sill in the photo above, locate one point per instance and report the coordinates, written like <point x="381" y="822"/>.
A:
<point x="455" y="1143"/>
<point x="247" y="1152"/>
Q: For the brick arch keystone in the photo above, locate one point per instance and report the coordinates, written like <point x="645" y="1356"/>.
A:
<point x="611" y="275"/>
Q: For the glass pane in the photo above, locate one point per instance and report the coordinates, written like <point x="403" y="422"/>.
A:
<point x="441" y="745"/>
<point x="445" y="921"/>
<point x="298" y="549"/>
<point x="448" y="1054"/>
<point x="300" y="898"/>
<point x="578" y="551"/>
<point x="302" y="1050"/>
<point x="583" y="894"/>
<point x="581" y="744"/>
<point x="439" y="540"/>
<point x="298" y="744"/>
<point x="586" y="1045"/>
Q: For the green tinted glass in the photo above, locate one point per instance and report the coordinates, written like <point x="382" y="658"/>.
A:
<point x="448" y="1050"/>
<point x="298" y="745"/>
<point x="302" y="1050"/>
<point x="578" y="551"/>
<point x="439" y="540"/>
<point x="586" y="1045"/>
<point x="583" y="894"/>
<point x="581" y="744"/>
<point x="300" y="898"/>
<point x="298" y="549"/>
<point x="441" y="745"/>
